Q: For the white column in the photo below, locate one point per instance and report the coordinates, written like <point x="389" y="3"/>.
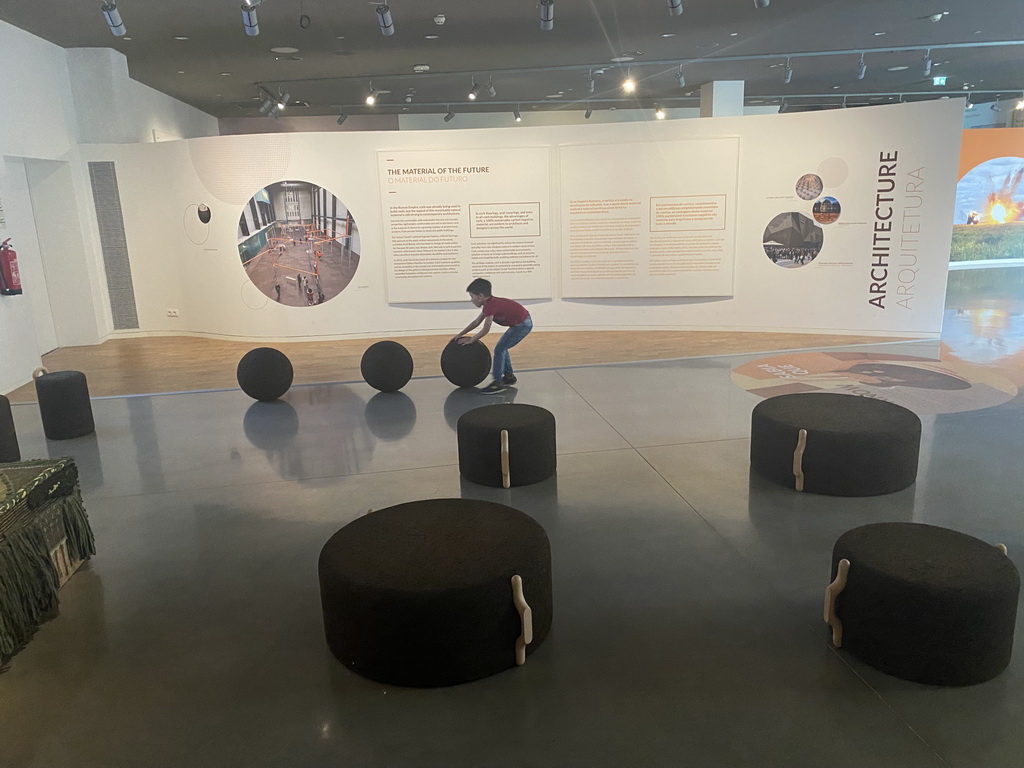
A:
<point x="721" y="98"/>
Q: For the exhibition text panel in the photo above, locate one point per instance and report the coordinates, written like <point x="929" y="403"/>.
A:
<point x="656" y="220"/>
<point x="453" y="215"/>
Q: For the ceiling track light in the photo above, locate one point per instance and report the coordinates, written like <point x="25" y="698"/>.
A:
<point x="113" y="17"/>
<point x="588" y="113"/>
<point x="862" y="68"/>
<point x="279" y="104"/>
<point x="249" y="19"/>
<point x="371" y="97"/>
<point x="1020" y="104"/>
<point x="515" y="114"/>
<point x="788" y="76"/>
<point x="659" y="112"/>
<point x="450" y="115"/>
<point x="927" y="64"/>
<point x="675" y="7"/>
<point x="387" y="26"/>
<point x="342" y="118"/>
<point x="590" y="81"/>
<point x="547" y="15"/>
<point x="491" y="90"/>
<point x="629" y="84"/>
<point x="680" y="78"/>
<point x="474" y="91"/>
<point x="969" y="104"/>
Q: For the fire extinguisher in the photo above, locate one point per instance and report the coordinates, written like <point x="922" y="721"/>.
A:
<point x="10" y="278"/>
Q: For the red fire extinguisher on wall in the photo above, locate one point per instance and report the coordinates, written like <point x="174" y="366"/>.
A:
<point x="10" y="278"/>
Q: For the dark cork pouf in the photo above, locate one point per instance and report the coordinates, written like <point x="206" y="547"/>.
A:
<point x="64" y="405"/>
<point x="856" y="446"/>
<point x="925" y="603"/>
<point x="9" y="450"/>
<point x="264" y="373"/>
<point x="420" y="594"/>
<point x="531" y="444"/>
<point x="386" y="366"/>
<point x="465" y="365"/>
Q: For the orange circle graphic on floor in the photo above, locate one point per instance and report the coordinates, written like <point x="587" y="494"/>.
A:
<point x="921" y="384"/>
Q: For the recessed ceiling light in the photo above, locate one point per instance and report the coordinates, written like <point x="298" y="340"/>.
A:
<point x="897" y="69"/>
<point x="669" y="34"/>
<point x="126" y="38"/>
<point x="879" y="34"/>
<point x="181" y="71"/>
<point x="553" y="96"/>
<point x="180" y="37"/>
<point x="431" y="37"/>
<point x="225" y="74"/>
<point x="421" y="68"/>
<point x="284" y="49"/>
<point x="287" y="58"/>
<point x="340" y="37"/>
<point x="621" y="58"/>
<point x="733" y="34"/>
<point x="835" y="87"/>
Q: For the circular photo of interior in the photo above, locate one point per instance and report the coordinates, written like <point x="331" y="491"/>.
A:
<point x="792" y="240"/>
<point x="204" y="213"/>
<point x="809" y="186"/>
<point x="826" y="210"/>
<point x="298" y="243"/>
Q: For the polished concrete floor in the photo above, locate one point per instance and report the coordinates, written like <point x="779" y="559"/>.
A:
<point x="687" y="626"/>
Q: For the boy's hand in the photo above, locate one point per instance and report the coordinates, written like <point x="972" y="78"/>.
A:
<point x="464" y="340"/>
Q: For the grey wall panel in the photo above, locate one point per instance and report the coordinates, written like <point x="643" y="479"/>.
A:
<point x="118" y="269"/>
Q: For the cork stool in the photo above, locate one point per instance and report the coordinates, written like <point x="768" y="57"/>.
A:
<point x="507" y="444"/>
<point x="64" y="404"/>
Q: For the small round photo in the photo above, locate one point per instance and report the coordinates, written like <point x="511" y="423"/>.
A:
<point x="298" y="243"/>
<point x="792" y="240"/>
<point x="809" y="186"/>
<point x="827" y="210"/>
<point x="204" y="213"/>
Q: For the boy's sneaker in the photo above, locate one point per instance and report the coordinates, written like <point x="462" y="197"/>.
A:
<point x="493" y="388"/>
<point x="508" y="379"/>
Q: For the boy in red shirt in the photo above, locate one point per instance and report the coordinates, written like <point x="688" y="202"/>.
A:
<point x="504" y="312"/>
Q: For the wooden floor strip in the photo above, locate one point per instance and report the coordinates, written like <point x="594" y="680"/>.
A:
<point x="186" y="363"/>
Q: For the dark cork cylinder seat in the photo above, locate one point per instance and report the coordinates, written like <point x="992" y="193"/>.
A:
<point x="422" y="594"/>
<point x="531" y="450"/>
<point x="851" y="446"/>
<point x="925" y="603"/>
<point x="64" y="404"/>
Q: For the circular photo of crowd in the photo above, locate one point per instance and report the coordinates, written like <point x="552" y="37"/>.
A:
<point x="792" y="240"/>
<point x="298" y="243"/>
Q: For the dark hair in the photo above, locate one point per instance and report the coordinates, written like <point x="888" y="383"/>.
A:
<point x="479" y="285"/>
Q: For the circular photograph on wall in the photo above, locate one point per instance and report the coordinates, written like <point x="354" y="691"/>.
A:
<point x="809" y="186"/>
<point x="204" y="213"/>
<point x="826" y="210"/>
<point x="298" y="243"/>
<point x="792" y="240"/>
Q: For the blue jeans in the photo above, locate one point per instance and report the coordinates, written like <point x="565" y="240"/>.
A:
<point x="511" y="337"/>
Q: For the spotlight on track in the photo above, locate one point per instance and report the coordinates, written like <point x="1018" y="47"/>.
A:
<point x="268" y="102"/>
<point x="113" y="17"/>
<point x="588" y="113"/>
<point x="629" y="84"/>
<point x="371" y="97"/>
<point x="862" y="68"/>
<point x="448" y="118"/>
<point x="491" y="90"/>
<point x="342" y="118"/>
<point x="590" y="81"/>
<point x="516" y="115"/>
<point x="279" y="104"/>
<point x="387" y="26"/>
<point x="659" y="112"/>
<point x="547" y="15"/>
<point x="926" y="64"/>
<point x="788" y="76"/>
<point x="675" y="7"/>
<point x="680" y="78"/>
<point x="249" y="18"/>
<point x="473" y="92"/>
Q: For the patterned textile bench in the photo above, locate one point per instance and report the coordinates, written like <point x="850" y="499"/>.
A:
<point x="44" y="537"/>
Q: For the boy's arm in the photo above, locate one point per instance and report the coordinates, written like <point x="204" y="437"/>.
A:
<point x="479" y="319"/>
<point x="479" y="334"/>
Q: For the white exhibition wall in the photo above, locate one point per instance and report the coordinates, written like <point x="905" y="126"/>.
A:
<point x="881" y="268"/>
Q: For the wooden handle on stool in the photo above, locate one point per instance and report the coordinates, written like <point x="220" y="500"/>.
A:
<point x="798" y="459"/>
<point x="525" y="619"/>
<point x="832" y="592"/>
<point x="506" y="477"/>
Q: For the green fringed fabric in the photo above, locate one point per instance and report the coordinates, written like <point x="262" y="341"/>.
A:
<point x="81" y="544"/>
<point x="28" y="588"/>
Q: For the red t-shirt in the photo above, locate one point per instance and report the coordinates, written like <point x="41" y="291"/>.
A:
<point x="505" y="311"/>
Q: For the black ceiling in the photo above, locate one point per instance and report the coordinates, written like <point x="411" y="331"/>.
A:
<point x="341" y="50"/>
